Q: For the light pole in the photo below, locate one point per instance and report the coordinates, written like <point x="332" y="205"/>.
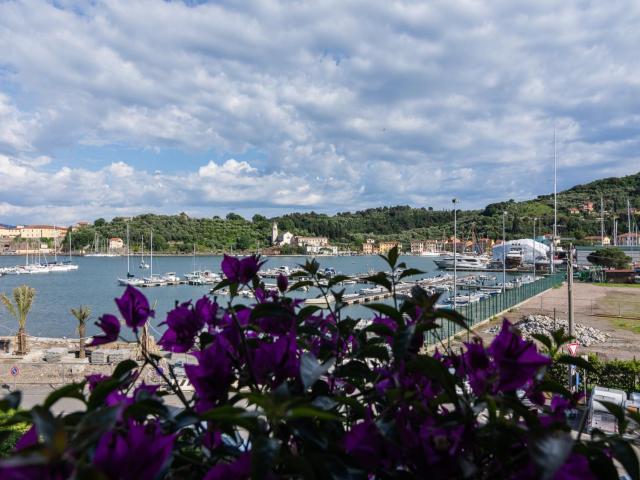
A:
<point x="534" y="248"/>
<point x="504" y="253"/>
<point x="455" y="253"/>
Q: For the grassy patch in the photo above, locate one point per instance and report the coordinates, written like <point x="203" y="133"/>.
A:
<point x="626" y="285"/>
<point x="626" y="324"/>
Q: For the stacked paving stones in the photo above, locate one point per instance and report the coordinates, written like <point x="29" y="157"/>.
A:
<point x="530" y="324"/>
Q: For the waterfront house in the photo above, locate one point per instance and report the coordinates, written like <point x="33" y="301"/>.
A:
<point x="310" y="241"/>
<point x="420" y="246"/>
<point x="587" y="207"/>
<point x="384" y="247"/>
<point x="116" y="243"/>
<point x="369" y="247"/>
<point x="597" y="240"/>
<point x="574" y="211"/>
<point x="42" y="231"/>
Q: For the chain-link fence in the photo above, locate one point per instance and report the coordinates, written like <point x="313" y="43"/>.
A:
<point x="489" y="307"/>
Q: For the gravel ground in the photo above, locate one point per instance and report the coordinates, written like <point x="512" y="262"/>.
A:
<point x="614" y="311"/>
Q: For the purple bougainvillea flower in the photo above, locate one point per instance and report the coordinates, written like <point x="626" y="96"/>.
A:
<point x="212" y="376"/>
<point x="516" y="360"/>
<point x="94" y="379"/>
<point x="239" y="469"/>
<point x="110" y="325"/>
<point x="50" y="471"/>
<point x="134" y="307"/>
<point x="477" y="366"/>
<point x="274" y="362"/>
<point x="185" y="322"/>
<point x="29" y="439"/>
<point x="240" y="271"/>
<point x="365" y="444"/>
<point x="283" y="283"/>
<point x="575" y="468"/>
<point x="139" y="452"/>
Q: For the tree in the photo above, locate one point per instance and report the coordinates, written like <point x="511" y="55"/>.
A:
<point x="100" y="222"/>
<point x="82" y="314"/>
<point x="22" y="301"/>
<point x="609" y="257"/>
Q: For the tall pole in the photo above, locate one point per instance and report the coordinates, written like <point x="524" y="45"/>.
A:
<point x="570" y="302"/>
<point x="629" y="222"/>
<point x="601" y="220"/>
<point x="504" y="252"/>
<point x="533" y="254"/>
<point x="455" y="254"/>
<point x="128" y="267"/>
<point x="555" y="203"/>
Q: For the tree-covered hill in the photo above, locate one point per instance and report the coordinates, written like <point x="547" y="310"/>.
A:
<point x="179" y="233"/>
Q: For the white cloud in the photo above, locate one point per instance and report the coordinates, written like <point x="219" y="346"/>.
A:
<point x="364" y="103"/>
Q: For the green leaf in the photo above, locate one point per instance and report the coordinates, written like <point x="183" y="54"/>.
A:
<point x="300" y="284"/>
<point x="222" y="284"/>
<point x="618" y="412"/>
<point x="378" y="329"/>
<point x="337" y="279"/>
<point x="544" y="339"/>
<point x="73" y="390"/>
<point x="379" y="279"/>
<point x="401" y="341"/>
<point x="387" y="310"/>
<point x="101" y="391"/>
<point x="308" y="311"/>
<point x="624" y="453"/>
<point x="269" y="310"/>
<point x="550" y="451"/>
<point x="11" y="401"/>
<point x="410" y="272"/>
<point x="311" y="370"/>
<point x="123" y="368"/>
<point x="374" y="351"/>
<point x="311" y="412"/>
<point x="391" y="258"/>
<point x="577" y="361"/>
<point x="263" y="455"/>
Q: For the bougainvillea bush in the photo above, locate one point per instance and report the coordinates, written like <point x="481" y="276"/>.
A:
<point x="284" y="390"/>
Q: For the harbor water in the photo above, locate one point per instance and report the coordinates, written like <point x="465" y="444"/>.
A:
<point x="95" y="284"/>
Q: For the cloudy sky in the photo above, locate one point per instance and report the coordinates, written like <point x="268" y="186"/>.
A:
<point x="122" y="107"/>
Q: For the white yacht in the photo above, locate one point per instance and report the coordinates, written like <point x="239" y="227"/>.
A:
<point x="463" y="262"/>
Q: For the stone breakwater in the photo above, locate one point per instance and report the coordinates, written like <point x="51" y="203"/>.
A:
<point x="543" y="324"/>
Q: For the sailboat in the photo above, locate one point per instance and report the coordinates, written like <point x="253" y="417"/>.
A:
<point x="153" y="280"/>
<point x="143" y="264"/>
<point x="131" y="278"/>
<point x="58" y="266"/>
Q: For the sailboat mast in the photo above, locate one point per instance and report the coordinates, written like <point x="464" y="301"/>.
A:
<point x="55" y="244"/>
<point x="128" y="268"/>
<point x="629" y="221"/>
<point x="151" y="255"/>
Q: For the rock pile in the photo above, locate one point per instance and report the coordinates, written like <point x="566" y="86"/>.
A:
<point x="530" y="324"/>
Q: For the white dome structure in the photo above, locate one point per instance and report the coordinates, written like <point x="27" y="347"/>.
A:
<point x="528" y="247"/>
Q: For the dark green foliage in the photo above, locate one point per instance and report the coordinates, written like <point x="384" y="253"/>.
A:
<point x="179" y="233"/>
<point x="609" y="257"/>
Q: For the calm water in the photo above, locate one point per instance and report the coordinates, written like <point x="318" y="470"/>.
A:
<point x="95" y="284"/>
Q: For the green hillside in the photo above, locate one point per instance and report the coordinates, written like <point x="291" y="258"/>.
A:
<point x="179" y="233"/>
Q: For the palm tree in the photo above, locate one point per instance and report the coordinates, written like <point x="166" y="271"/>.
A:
<point x="82" y="315"/>
<point x="23" y="298"/>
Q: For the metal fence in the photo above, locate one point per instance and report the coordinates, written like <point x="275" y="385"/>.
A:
<point x="487" y="308"/>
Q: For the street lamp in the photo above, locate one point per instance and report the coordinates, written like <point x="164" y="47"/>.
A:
<point x="455" y="255"/>
<point x="504" y="253"/>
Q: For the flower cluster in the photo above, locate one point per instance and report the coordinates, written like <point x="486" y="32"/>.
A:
<point x="281" y="389"/>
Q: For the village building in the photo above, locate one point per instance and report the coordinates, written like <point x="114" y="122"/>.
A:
<point x="588" y="207"/>
<point x="385" y="247"/>
<point x="598" y="240"/>
<point x="280" y="239"/>
<point x="420" y="246"/>
<point x="42" y="231"/>
<point x="369" y="247"/>
<point x="310" y="241"/>
<point x="574" y="211"/>
<point x="116" y="243"/>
